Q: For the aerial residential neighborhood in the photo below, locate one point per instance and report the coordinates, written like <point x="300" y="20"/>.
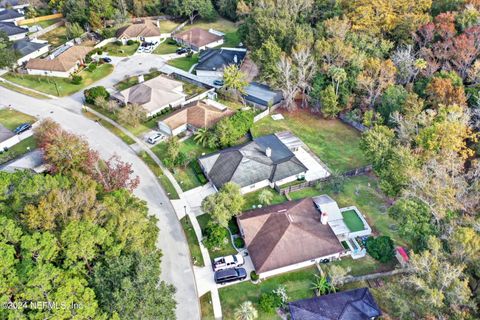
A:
<point x="239" y="160"/>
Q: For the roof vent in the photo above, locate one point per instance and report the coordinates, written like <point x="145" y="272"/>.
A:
<point x="268" y="152"/>
<point x="235" y="59"/>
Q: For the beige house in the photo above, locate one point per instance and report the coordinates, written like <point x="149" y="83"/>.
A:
<point x="62" y="63"/>
<point x="146" y="30"/>
<point x="153" y="95"/>
<point x="199" y="39"/>
<point x="199" y="114"/>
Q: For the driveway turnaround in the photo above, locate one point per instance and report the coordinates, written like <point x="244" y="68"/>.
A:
<point x="176" y="266"/>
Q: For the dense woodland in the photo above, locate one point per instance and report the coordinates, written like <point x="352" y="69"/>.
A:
<point x="407" y="70"/>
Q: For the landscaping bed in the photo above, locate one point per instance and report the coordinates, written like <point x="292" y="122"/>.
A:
<point x="227" y="249"/>
<point x="119" y="50"/>
<point x="334" y="142"/>
<point x="195" y="252"/>
<point x="57" y="86"/>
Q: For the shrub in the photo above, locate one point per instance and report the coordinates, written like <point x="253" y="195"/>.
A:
<point x="380" y="248"/>
<point x="92" y="66"/>
<point x="99" y="52"/>
<point x="130" y="42"/>
<point x="118" y="43"/>
<point x="269" y="302"/>
<point x="239" y="243"/>
<point x="215" y="235"/>
<point x="254" y="276"/>
<point x="171" y="41"/>
<point x="76" y="79"/>
<point x="94" y="92"/>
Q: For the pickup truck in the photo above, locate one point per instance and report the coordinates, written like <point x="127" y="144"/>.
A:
<point x="227" y="262"/>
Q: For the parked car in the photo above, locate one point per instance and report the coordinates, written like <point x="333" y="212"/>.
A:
<point x="218" y="82"/>
<point x="22" y="128"/>
<point x="155" y="138"/>
<point x="107" y="59"/>
<point x="232" y="261"/>
<point x="230" y="275"/>
<point x="182" y="50"/>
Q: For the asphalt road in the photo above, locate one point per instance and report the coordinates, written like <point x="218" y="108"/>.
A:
<point x="176" y="268"/>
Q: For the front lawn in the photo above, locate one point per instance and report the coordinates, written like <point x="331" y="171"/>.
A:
<point x="165" y="48"/>
<point x="162" y="179"/>
<point x="184" y="63"/>
<point x="60" y="87"/>
<point x="251" y="199"/>
<point x="11" y="118"/>
<point x="116" y="131"/>
<point x="195" y="252"/>
<point x="335" y="143"/>
<point x="298" y="285"/>
<point x="19" y="149"/>
<point x="226" y="250"/>
<point x="56" y="37"/>
<point x="206" y="306"/>
<point x="116" y="50"/>
<point x="22" y="90"/>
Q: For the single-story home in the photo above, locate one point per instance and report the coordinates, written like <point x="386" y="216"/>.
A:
<point x="153" y="95"/>
<point x="63" y="62"/>
<point x="10" y="15"/>
<point x="13" y="4"/>
<point x="29" y="49"/>
<point x="356" y="304"/>
<point x="145" y="30"/>
<point x="13" y="31"/>
<point x="31" y="161"/>
<point x="287" y="236"/>
<point x="261" y="96"/>
<point x="199" y="114"/>
<point x="211" y="62"/>
<point x="199" y="39"/>
<point x="265" y="161"/>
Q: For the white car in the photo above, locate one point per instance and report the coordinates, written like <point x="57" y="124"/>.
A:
<point x="155" y="138"/>
<point x="227" y="262"/>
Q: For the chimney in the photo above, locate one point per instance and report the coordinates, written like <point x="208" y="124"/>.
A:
<point x="235" y="59"/>
<point x="268" y="152"/>
<point x="324" y="218"/>
<point x="140" y="78"/>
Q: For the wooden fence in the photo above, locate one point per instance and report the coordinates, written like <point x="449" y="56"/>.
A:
<point x="38" y="19"/>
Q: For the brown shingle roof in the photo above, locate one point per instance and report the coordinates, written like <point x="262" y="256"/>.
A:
<point x="285" y="234"/>
<point x="198" y="37"/>
<point x="199" y="115"/>
<point x="63" y="62"/>
<point x="147" y="28"/>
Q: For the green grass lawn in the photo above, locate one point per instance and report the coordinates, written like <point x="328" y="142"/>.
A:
<point x="19" y="149"/>
<point x="11" y="118"/>
<point x="125" y="138"/>
<point x="21" y="90"/>
<point x="56" y="37"/>
<point x="49" y="85"/>
<point x="184" y="63"/>
<point x="164" y="181"/>
<point x="197" y="258"/>
<point x="334" y="142"/>
<point x="45" y="23"/>
<point x="167" y="26"/>
<point x="228" y="248"/>
<point x="298" y="285"/>
<point x="206" y="306"/>
<point x="232" y="38"/>
<point x="185" y="176"/>
<point x="353" y="221"/>
<point x="165" y="48"/>
<point x="251" y="199"/>
<point x="130" y="82"/>
<point x="121" y="50"/>
<point x="192" y="90"/>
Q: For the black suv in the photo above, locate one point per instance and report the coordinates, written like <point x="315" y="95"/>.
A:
<point x="229" y="275"/>
<point x="22" y="128"/>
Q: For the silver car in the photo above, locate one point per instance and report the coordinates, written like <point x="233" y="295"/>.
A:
<point x="155" y="138"/>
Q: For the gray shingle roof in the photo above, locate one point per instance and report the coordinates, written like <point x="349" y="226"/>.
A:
<point x="248" y="164"/>
<point x="357" y="304"/>
<point x="11" y="29"/>
<point x="262" y="94"/>
<point x="25" y="47"/>
<point x="9" y="14"/>
<point x="217" y="59"/>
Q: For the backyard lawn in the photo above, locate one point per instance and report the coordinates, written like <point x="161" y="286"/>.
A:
<point x="10" y="118"/>
<point x="165" y="48"/>
<point x="184" y="63"/>
<point x="334" y="142"/>
<point x="251" y="199"/>
<point x="130" y="82"/>
<point x="60" y="86"/>
<point x="232" y="38"/>
<point x="56" y="37"/>
<point x="121" y="50"/>
<point x="197" y="258"/>
<point x="45" y="23"/>
<point x="228" y="248"/>
<point x="298" y="285"/>
<point x="167" y="26"/>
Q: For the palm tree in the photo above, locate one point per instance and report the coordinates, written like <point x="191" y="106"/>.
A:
<point x="246" y="311"/>
<point x="201" y="136"/>
<point x="321" y="285"/>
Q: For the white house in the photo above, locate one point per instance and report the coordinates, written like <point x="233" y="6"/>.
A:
<point x="62" y="63"/>
<point x="199" y="39"/>
<point x="30" y="49"/>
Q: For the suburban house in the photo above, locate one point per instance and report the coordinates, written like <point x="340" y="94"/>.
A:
<point x="199" y="114"/>
<point x="356" y="304"/>
<point x="288" y="236"/>
<point x="13" y="31"/>
<point x="31" y="161"/>
<point x="262" y="96"/>
<point x="29" y="49"/>
<point x="145" y="30"/>
<point x="153" y="95"/>
<point x="265" y="161"/>
<point x="13" y="4"/>
<point x="211" y="62"/>
<point x="199" y="39"/>
<point x="10" y="15"/>
<point x="63" y="62"/>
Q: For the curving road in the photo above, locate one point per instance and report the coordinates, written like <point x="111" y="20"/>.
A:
<point x="176" y="267"/>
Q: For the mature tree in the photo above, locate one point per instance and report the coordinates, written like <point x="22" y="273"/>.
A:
<point x="225" y="204"/>
<point x="216" y="236"/>
<point x="6" y="51"/>
<point x="287" y="81"/>
<point x="74" y="30"/>
<point x="407" y="64"/>
<point x="376" y="76"/>
<point x="329" y="102"/>
<point x="194" y="8"/>
<point x="76" y="11"/>
<point x="266" y="57"/>
<point x="380" y="248"/>
<point x="305" y="68"/>
<point x="392" y="99"/>
<point x="235" y="80"/>
<point x="246" y="311"/>
<point x="443" y="91"/>
<point x="94" y="92"/>
<point x="115" y="174"/>
<point x="132" y="115"/>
